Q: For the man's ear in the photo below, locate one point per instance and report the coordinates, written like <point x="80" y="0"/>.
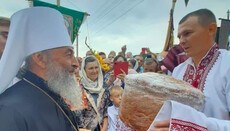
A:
<point x="212" y="28"/>
<point x="40" y="59"/>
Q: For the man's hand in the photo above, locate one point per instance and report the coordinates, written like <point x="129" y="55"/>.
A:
<point x="105" y="124"/>
<point x="121" y="76"/>
<point x="161" y="126"/>
<point x="123" y="48"/>
<point x="111" y="79"/>
<point x="148" y="51"/>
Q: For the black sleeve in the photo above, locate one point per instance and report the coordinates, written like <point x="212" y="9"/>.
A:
<point x="11" y="120"/>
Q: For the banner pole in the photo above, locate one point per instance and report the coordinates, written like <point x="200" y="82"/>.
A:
<point x="77" y="45"/>
<point x="58" y="3"/>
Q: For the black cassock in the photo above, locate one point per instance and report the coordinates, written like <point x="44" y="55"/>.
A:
<point x="23" y="107"/>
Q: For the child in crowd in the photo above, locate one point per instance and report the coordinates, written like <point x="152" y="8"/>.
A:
<point x="150" y="65"/>
<point x="115" y="124"/>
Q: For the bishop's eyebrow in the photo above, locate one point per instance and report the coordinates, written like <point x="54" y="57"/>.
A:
<point x="69" y="50"/>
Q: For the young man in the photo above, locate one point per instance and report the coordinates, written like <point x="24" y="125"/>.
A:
<point x="4" y="29"/>
<point x="208" y="69"/>
<point x="41" y="100"/>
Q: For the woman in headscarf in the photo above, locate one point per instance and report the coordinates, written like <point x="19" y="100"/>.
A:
<point x="94" y="115"/>
<point x="133" y="65"/>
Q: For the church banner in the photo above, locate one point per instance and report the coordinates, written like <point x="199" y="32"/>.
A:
<point x="73" y="19"/>
<point x="224" y="33"/>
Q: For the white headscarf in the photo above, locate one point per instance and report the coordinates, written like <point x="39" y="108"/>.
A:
<point x="92" y="86"/>
<point x="31" y="30"/>
<point x="136" y="65"/>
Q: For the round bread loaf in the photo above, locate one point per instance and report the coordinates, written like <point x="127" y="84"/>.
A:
<point x="145" y="93"/>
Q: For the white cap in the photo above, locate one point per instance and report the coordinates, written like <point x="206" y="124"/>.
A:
<point x="31" y="30"/>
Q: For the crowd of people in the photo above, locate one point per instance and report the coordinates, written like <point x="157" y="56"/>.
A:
<point x="44" y="87"/>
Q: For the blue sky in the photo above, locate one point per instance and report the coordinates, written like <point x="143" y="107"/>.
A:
<point x="135" y="23"/>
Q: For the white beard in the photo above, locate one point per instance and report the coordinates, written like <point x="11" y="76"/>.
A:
<point x="63" y="83"/>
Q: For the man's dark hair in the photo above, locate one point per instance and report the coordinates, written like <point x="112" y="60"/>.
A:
<point x="101" y="53"/>
<point x="205" y="17"/>
<point x="4" y="21"/>
<point x="118" y="56"/>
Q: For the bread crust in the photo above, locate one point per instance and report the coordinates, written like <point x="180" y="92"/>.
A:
<point x="145" y="94"/>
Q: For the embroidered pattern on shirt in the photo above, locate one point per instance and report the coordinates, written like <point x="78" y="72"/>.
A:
<point x="120" y="126"/>
<point x="179" y="125"/>
<point x="117" y="123"/>
<point x="198" y="78"/>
